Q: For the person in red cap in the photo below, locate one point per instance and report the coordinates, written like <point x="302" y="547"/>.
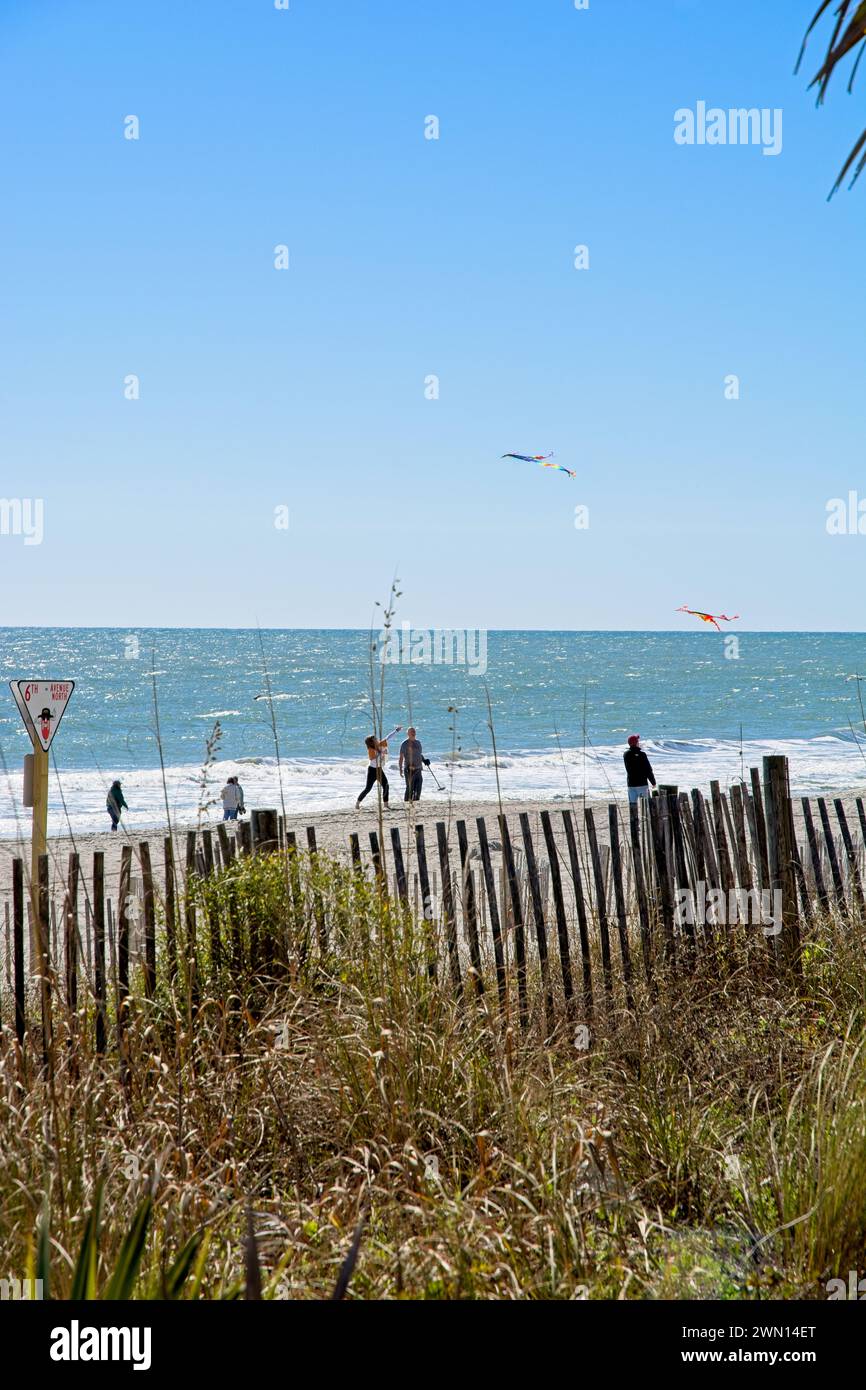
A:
<point x="638" y="769"/>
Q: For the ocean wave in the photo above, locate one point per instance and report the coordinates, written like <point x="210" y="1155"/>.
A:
<point x="307" y="785"/>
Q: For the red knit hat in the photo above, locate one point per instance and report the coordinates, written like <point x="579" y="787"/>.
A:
<point x="634" y="740"/>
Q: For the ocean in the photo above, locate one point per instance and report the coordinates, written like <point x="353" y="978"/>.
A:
<point x="563" y="704"/>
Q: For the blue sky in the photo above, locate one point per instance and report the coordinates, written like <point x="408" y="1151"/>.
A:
<point x="412" y="257"/>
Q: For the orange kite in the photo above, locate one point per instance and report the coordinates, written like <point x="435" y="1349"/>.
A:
<point x="714" y="618"/>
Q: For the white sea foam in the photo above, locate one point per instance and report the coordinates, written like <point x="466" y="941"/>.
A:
<point x="826" y="764"/>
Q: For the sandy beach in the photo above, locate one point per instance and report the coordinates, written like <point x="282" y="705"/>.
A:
<point x="333" y="829"/>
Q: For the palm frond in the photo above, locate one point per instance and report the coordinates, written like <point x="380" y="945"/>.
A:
<point x="825" y="5"/>
<point x="847" y="165"/>
<point x="843" y="41"/>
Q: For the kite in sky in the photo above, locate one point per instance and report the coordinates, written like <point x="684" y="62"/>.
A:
<point x="543" y="460"/>
<point x="713" y="618"/>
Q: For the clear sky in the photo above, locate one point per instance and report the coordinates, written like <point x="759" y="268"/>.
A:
<point x="412" y="257"/>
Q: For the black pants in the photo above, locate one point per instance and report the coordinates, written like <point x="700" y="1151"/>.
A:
<point x="372" y="774"/>
<point x="414" y="782"/>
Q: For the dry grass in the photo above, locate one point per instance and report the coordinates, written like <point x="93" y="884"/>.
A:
<point x="712" y="1143"/>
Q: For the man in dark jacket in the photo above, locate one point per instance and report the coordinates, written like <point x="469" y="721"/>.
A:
<point x="638" y="770"/>
<point x="115" y="803"/>
<point x="412" y="764"/>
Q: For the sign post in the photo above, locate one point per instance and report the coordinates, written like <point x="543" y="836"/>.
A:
<point x="41" y="705"/>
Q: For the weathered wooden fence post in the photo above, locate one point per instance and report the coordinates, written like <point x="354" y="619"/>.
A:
<point x="815" y="856"/>
<point x="619" y="899"/>
<point x="448" y="910"/>
<point x="493" y="907"/>
<point x="99" y="948"/>
<point x="850" y="854"/>
<point x="760" y="828"/>
<point x="640" y="889"/>
<point x="743" y="867"/>
<point x="780" y="852"/>
<point x="43" y="938"/>
<point x="580" y="905"/>
<point x="70" y="936"/>
<point x="18" y="947"/>
<point x="170" y="908"/>
<point x="600" y="900"/>
<point x="315" y="890"/>
<point x="399" y="865"/>
<point x="538" y="915"/>
<point x="726" y="874"/>
<point x="470" y="910"/>
<point x="149" y="905"/>
<point x="663" y="875"/>
<point x="123" y="904"/>
<point x="836" y="872"/>
<point x="426" y="899"/>
<point x="264" y="832"/>
<point x="517" y="916"/>
<point x="561" y="919"/>
<point x="378" y="864"/>
<point x="191" y="926"/>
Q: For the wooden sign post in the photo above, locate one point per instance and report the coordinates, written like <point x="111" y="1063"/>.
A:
<point x="41" y="705"/>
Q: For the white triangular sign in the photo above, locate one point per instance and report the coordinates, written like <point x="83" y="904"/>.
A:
<point x="41" y="705"/>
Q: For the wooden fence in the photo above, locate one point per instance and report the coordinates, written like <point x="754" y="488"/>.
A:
<point x="553" y="912"/>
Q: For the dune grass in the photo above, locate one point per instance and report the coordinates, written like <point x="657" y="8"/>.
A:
<point x="710" y="1143"/>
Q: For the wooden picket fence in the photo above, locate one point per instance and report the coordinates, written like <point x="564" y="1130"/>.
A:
<point x="563" y="909"/>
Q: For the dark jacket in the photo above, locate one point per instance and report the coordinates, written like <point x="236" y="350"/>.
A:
<point x="638" y="769"/>
<point x="411" y="754"/>
<point x="115" y="800"/>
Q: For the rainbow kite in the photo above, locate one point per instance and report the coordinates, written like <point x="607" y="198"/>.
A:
<point x="714" y="618"/>
<point x="543" y="460"/>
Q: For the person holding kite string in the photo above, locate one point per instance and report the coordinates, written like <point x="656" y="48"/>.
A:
<point x="638" y="770"/>
<point x="377" y="755"/>
<point x="115" y="803"/>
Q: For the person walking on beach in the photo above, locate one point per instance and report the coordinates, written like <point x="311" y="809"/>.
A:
<point x="412" y="764"/>
<point x="638" y="770"/>
<point x="242" y="810"/>
<point x="115" y="803"/>
<point x="229" y="795"/>
<point x="377" y="755"/>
